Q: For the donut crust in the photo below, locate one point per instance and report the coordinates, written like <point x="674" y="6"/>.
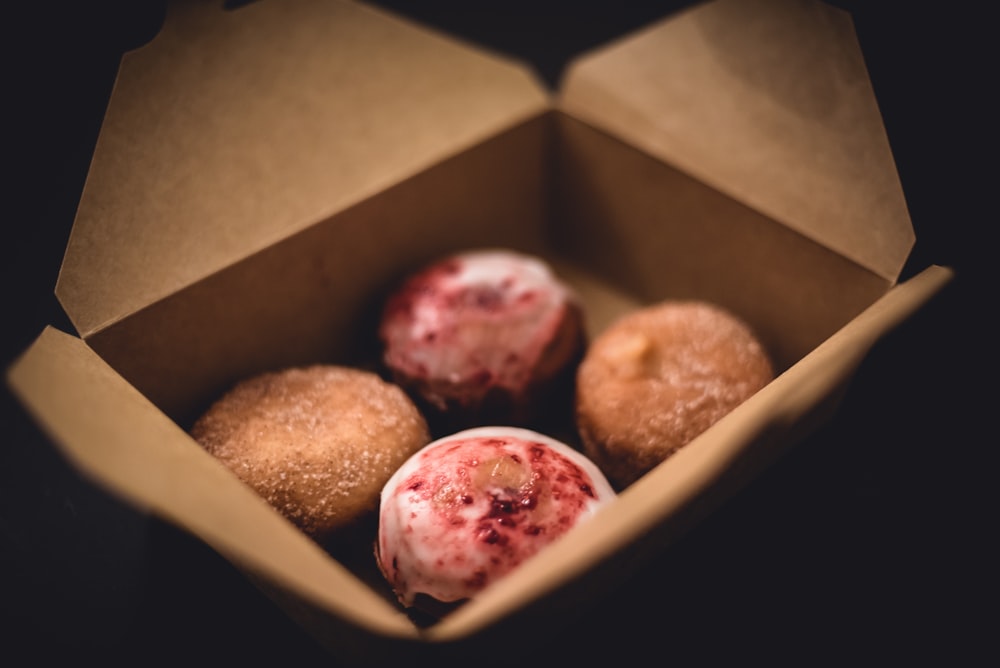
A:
<point x="660" y="376"/>
<point x="318" y="443"/>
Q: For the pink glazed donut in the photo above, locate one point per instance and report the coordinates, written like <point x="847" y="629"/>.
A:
<point x="484" y="337"/>
<point x="467" y="509"/>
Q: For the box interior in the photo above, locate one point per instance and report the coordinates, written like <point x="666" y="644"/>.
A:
<point x="622" y="228"/>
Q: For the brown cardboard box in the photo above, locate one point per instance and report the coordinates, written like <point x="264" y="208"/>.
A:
<point x="332" y="148"/>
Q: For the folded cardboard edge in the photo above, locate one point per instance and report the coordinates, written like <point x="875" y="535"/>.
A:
<point x="692" y="471"/>
<point x="268" y="119"/>
<point x="113" y="435"/>
<point x="769" y="102"/>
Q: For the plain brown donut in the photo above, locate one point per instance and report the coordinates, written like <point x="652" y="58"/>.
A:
<point x="318" y="442"/>
<point x="660" y="376"/>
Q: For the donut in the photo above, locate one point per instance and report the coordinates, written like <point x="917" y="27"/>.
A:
<point x="471" y="507"/>
<point x="486" y="336"/>
<point x="317" y="442"/>
<point x="658" y="377"/>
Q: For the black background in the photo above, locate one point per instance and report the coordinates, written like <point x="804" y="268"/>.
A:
<point x="867" y="544"/>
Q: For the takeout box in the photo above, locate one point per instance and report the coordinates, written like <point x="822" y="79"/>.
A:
<point x="265" y="174"/>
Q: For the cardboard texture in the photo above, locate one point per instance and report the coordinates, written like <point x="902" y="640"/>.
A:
<point x="265" y="174"/>
<point x="736" y="94"/>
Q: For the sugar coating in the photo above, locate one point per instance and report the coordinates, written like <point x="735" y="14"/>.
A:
<point x="659" y="377"/>
<point x="469" y="508"/>
<point x="317" y="443"/>
<point x="479" y="322"/>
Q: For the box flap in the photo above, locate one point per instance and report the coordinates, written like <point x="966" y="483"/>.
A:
<point x="125" y="444"/>
<point x="234" y="129"/>
<point x="706" y="470"/>
<point x="769" y="102"/>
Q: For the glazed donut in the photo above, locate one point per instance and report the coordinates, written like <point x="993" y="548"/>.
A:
<point x="660" y="376"/>
<point x="484" y="337"/>
<point x="469" y="508"/>
<point x="317" y="442"/>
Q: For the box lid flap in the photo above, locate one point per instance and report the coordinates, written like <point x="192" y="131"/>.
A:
<point x="705" y="471"/>
<point x="233" y="129"/>
<point x="115" y="436"/>
<point x="768" y="101"/>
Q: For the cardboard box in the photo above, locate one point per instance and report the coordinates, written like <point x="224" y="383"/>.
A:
<point x="264" y="174"/>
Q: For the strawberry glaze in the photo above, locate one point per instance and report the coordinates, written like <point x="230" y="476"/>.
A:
<point x="477" y="323"/>
<point x="469" y="508"/>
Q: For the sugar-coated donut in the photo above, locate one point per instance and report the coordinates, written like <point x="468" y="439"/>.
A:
<point x="469" y="508"/>
<point x="317" y="442"/>
<point x="484" y="337"/>
<point x="660" y="376"/>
